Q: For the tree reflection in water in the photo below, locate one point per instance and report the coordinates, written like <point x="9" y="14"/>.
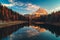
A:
<point x="31" y="33"/>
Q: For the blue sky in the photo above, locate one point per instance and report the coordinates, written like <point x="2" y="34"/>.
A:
<point x="29" y="6"/>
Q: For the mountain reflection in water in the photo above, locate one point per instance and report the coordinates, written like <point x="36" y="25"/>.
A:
<point x="32" y="33"/>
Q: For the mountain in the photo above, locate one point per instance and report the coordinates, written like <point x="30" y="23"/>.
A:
<point x="53" y="22"/>
<point x="40" y="12"/>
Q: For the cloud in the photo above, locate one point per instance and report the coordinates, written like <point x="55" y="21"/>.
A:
<point x="28" y="6"/>
<point x="8" y="5"/>
<point x="53" y="10"/>
<point x="16" y="3"/>
<point x="32" y="7"/>
<point x="19" y="4"/>
<point x="10" y="0"/>
<point x="56" y="9"/>
<point x="13" y="3"/>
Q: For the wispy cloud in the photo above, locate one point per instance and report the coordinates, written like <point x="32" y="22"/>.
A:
<point x="12" y="3"/>
<point x="16" y="3"/>
<point x="10" y="0"/>
<point x="19" y="4"/>
<point x="8" y="5"/>
<point x="53" y="10"/>
<point x="32" y="7"/>
<point x="28" y="7"/>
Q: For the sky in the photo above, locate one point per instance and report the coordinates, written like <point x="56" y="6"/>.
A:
<point x="30" y="6"/>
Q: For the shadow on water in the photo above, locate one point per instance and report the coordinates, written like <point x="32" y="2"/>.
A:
<point x="53" y="28"/>
<point x="8" y="30"/>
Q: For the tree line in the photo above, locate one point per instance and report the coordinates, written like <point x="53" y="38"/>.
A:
<point x="53" y="17"/>
<point x="7" y="14"/>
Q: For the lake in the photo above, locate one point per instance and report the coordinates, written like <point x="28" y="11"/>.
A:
<point x="32" y="33"/>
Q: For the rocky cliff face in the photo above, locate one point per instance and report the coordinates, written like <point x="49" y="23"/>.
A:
<point x="40" y="12"/>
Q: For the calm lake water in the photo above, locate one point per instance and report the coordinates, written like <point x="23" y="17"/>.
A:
<point x="29" y="33"/>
